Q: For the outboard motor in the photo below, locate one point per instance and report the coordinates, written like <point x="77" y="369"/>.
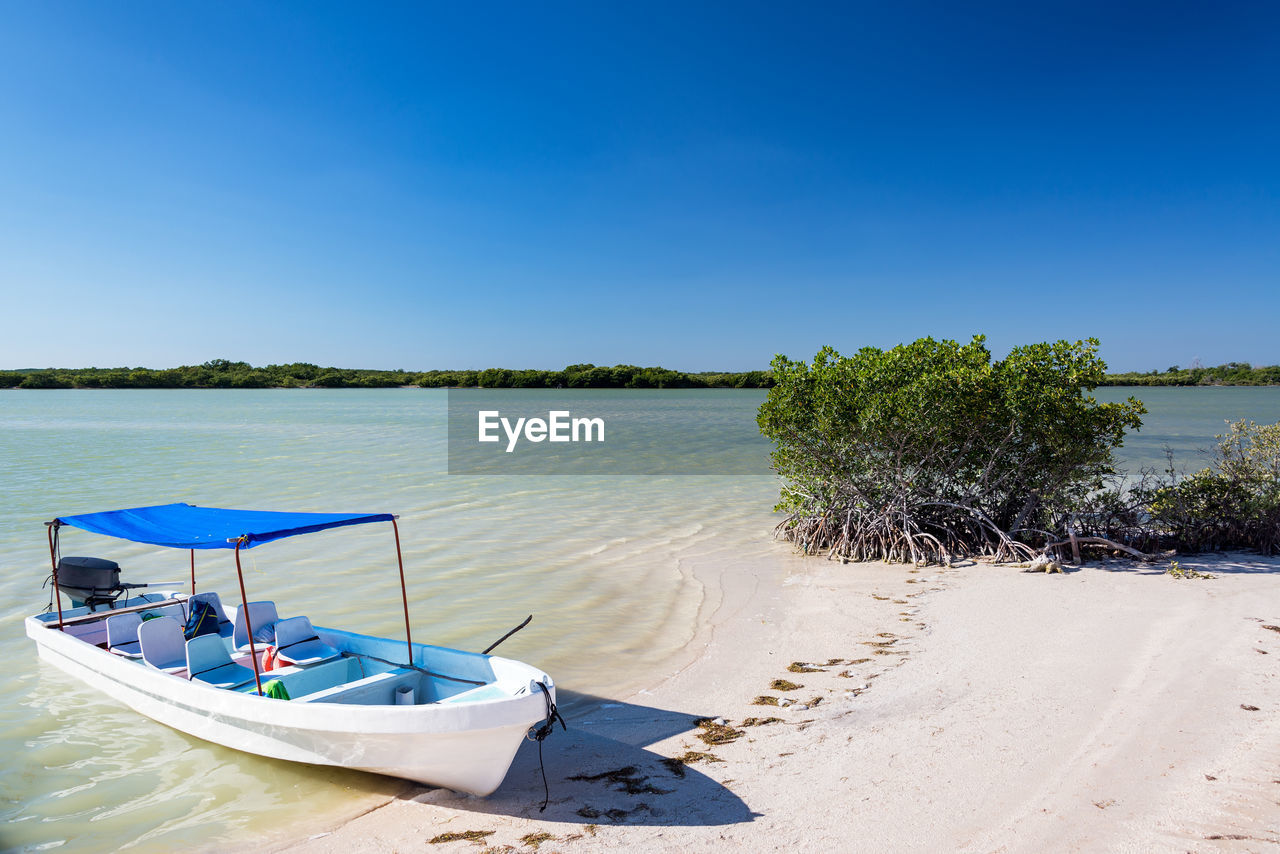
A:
<point x="90" y="581"/>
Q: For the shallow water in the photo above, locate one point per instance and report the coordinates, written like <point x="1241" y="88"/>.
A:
<point x="1186" y="420"/>
<point x="604" y="564"/>
<point x="601" y="563"/>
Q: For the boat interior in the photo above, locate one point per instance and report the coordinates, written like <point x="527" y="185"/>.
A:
<point x="307" y="664"/>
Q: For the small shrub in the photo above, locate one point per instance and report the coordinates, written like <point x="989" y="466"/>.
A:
<point x="1233" y="504"/>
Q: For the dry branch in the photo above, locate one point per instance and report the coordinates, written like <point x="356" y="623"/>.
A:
<point x="1075" y="542"/>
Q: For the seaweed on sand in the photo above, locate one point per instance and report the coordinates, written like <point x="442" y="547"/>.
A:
<point x="533" y="840"/>
<point x="628" y="779"/>
<point x="676" y="764"/>
<point x="614" y="815"/>
<point x="714" y="733"/>
<point x="466" y="835"/>
<point x="803" y="667"/>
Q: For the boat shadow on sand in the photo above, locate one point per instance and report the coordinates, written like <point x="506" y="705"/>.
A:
<point x="599" y="772"/>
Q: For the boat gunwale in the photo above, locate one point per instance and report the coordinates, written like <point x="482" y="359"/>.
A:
<point x="249" y="706"/>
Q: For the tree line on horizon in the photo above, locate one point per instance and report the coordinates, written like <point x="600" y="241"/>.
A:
<point x="222" y="373"/>
<point x="1232" y="373"/>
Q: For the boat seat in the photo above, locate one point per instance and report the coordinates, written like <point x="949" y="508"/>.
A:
<point x="208" y="661"/>
<point x="161" y="643"/>
<point x="122" y="634"/>
<point x="225" y="626"/>
<point x="298" y="643"/>
<point x="262" y="616"/>
<point x="174" y="610"/>
<point x="376" y="690"/>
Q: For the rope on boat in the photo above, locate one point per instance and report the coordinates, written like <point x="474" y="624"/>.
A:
<point x="55" y="549"/>
<point x="540" y="735"/>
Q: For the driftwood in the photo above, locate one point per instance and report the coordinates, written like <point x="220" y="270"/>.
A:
<point x="1044" y="564"/>
<point x="1075" y="543"/>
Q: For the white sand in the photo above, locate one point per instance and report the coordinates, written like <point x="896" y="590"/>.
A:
<point x="1098" y="710"/>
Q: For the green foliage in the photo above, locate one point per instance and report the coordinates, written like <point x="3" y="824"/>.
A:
<point x="1235" y="503"/>
<point x="1232" y="373"/>
<point x="932" y="450"/>
<point x="1177" y="570"/>
<point x="221" y="373"/>
<point x="495" y="378"/>
<point x="44" y="379"/>
<point x="1249" y="453"/>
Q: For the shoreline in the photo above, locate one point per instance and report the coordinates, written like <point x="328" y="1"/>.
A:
<point x="411" y="386"/>
<point x="986" y="709"/>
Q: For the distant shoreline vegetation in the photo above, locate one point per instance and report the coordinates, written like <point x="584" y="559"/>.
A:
<point x="221" y="373"/>
<point x="1232" y="373"/>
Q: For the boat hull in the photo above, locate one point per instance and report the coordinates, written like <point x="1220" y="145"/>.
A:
<point x="465" y="746"/>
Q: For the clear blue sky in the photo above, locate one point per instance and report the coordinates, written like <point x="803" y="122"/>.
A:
<point x="698" y="186"/>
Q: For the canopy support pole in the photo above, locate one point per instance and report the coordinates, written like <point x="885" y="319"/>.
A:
<point x="53" y="559"/>
<point x="193" y="572"/>
<point x="404" y="594"/>
<point x="248" y="627"/>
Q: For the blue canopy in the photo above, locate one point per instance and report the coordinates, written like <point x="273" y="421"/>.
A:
<point x="185" y="526"/>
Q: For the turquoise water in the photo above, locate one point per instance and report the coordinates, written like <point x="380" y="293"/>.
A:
<point x="1185" y="420"/>
<point x="604" y="564"/>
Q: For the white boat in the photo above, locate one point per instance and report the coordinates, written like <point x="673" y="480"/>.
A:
<point x="440" y="716"/>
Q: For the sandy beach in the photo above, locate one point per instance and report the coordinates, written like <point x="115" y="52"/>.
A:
<point x="979" y="708"/>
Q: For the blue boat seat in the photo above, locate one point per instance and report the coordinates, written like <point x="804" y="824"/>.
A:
<point x="209" y="661"/>
<point x="225" y="626"/>
<point x="262" y="616"/>
<point x="298" y="643"/>
<point x="161" y="643"/>
<point x="174" y="610"/>
<point x="122" y="634"/>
